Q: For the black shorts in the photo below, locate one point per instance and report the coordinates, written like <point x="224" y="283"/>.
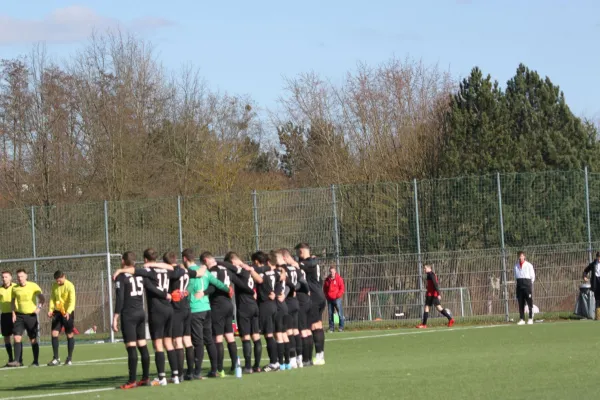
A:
<point x="222" y="318"/>
<point x="201" y="329"/>
<point x="160" y="320"/>
<point x="266" y="312"/>
<point x="432" y="301"/>
<point x="303" y="314"/>
<point x="59" y="322"/>
<point x="282" y="311"/>
<point x="291" y="319"/>
<point x="247" y="319"/>
<point x="317" y="307"/>
<point x="26" y="322"/>
<point x="6" y="324"/>
<point x="133" y="327"/>
<point x="182" y="323"/>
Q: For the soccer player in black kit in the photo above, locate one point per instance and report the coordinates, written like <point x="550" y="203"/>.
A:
<point x="247" y="314"/>
<point x="294" y="283"/>
<point x="222" y="309"/>
<point x="310" y="265"/>
<point x="130" y="307"/>
<point x="160" y="312"/>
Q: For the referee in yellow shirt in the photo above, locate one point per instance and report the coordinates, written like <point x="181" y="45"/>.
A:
<point x="6" y="322"/>
<point x="62" y="307"/>
<point x="25" y="310"/>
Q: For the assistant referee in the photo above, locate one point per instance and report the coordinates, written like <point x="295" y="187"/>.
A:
<point x="25" y="310"/>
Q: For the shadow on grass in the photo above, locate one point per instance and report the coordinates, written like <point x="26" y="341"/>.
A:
<point x="93" y="383"/>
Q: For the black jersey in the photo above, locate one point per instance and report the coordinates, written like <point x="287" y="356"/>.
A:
<point x="218" y="296"/>
<point x="292" y="280"/>
<point x="156" y="283"/>
<point x="130" y="295"/>
<point x="269" y="284"/>
<point x="180" y="284"/>
<point x="244" y="289"/>
<point x="312" y="270"/>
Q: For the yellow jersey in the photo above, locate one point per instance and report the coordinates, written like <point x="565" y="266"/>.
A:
<point x="25" y="297"/>
<point x="6" y="298"/>
<point x="63" y="297"/>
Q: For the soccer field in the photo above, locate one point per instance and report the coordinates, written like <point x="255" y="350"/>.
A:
<point x="541" y="361"/>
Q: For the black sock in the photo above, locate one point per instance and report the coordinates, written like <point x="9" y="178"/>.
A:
<point x="55" y="347"/>
<point x="35" y="348"/>
<point x="307" y="348"/>
<point x="198" y="358"/>
<point x="9" y="351"/>
<point x="286" y="352"/>
<point x="272" y="350"/>
<point x="310" y="348"/>
<point x="425" y="316"/>
<point x="70" y="347"/>
<point x="220" y="356"/>
<point x="292" y="346"/>
<point x="445" y="314"/>
<point x="189" y="357"/>
<point x="173" y="363"/>
<point x="257" y="353"/>
<point x="159" y="360"/>
<point x="319" y="338"/>
<point x="145" y="356"/>
<point x="247" y="351"/>
<point x="280" y="353"/>
<point x="232" y="348"/>
<point x="298" y="339"/>
<point x="18" y="350"/>
<point x="132" y="360"/>
<point x="180" y="361"/>
<point x="211" y="349"/>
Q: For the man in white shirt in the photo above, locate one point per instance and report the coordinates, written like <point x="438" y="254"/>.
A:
<point x="525" y="276"/>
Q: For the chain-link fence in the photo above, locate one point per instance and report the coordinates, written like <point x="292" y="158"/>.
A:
<point x="379" y="235"/>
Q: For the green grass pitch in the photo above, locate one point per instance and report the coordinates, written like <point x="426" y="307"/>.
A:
<point x="542" y="361"/>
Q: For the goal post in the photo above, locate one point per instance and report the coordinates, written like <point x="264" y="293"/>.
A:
<point x="406" y="304"/>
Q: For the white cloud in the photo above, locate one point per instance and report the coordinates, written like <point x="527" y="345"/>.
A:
<point x="69" y="24"/>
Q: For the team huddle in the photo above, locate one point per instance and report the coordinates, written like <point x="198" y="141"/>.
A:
<point x="190" y="309"/>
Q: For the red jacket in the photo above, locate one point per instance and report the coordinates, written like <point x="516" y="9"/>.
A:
<point x="333" y="288"/>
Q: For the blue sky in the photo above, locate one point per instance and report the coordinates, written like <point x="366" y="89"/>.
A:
<point x="248" y="47"/>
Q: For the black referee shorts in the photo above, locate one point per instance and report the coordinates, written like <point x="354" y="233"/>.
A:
<point x="133" y="327"/>
<point x="59" y="322"/>
<point x="222" y="317"/>
<point x="247" y="319"/>
<point x="6" y="324"/>
<point x="26" y="322"/>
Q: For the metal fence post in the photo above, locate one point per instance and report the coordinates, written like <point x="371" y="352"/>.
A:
<point x="35" y="278"/>
<point x="336" y="231"/>
<point x="398" y="218"/>
<point x="503" y="249"/>
<point x="103" y="300"/>
<point x="587" y="213"/>
<point x="108" y="271"/>
<point x="255" y="216"/>
<point x="180" y="225"/>
<point x="420" y="261"/>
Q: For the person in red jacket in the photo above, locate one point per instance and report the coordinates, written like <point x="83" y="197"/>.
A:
<point x="334" y="290"/>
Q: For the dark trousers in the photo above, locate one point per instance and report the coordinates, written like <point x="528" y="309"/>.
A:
<point x="524" y="295"/>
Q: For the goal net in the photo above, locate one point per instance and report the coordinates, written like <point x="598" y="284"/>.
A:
<point x="406" y="304"/>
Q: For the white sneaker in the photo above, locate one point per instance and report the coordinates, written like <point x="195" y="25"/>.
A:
<point x="159" y="382"/>
<point x="299" y="362"/>
<point x="521" y="322"/>
<point x="530" y="321"/>
<point x="292" y="363"/>
<point x="175" y="380"/>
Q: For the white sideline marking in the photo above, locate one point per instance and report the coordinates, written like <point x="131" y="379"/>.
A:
<point x="37" y="396"/>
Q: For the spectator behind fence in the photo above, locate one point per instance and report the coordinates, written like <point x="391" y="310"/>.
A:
<point x="334" y="290"/>
<point x="593" y="269"/>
